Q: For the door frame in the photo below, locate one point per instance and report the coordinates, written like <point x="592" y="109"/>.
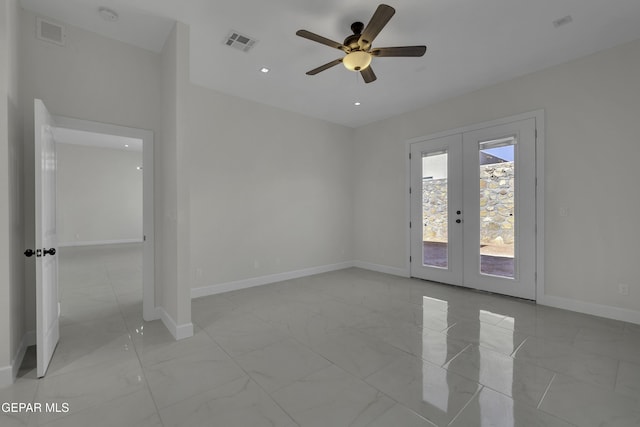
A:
<point x="149" y="311"/>
<point x="538" y="115"/>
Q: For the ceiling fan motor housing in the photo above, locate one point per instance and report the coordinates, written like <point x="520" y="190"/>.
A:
<point x="353" y="41"/>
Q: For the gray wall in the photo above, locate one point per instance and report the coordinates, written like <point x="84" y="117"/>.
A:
<point x="166" y="205"/>
<point x="12" y="296"/>
<point x="592" y="106"/>
<point x="270" y="197"/>
<point x="99" y="195"/>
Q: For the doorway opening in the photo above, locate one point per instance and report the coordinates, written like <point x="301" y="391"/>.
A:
<point x="125" y="231"/>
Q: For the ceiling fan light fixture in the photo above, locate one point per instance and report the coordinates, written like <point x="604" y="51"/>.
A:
<point x="357" y="61"/>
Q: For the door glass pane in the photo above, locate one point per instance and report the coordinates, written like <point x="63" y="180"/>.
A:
<point x="435" y="213"/>
<point x="497" y="207"/>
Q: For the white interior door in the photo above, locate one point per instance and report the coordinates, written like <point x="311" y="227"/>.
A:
<point x="473" y="199"/>
<point x="47" y="307"/>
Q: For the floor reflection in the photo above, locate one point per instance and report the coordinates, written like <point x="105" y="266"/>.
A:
<point x="474" y="362"/>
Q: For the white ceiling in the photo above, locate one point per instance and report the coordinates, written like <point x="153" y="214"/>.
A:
<point x="93" y="139"/>
<point x="471" y="44"/>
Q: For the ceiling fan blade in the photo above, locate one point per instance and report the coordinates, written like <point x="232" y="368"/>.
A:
<point x="399" y="51"/>
<point x="368" y="75"/>
<point x="324" y="67"/>
<point x="322" y="40"/>
<point x="379" y="19"/>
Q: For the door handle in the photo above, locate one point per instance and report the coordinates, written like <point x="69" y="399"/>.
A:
<point x="51" y="252"/>
<point x="458" y="221"/>
<point x="29" y="253"/>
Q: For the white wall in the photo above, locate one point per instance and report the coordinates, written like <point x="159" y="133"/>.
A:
<point x="270" y="191"/>
<point x="12" y="319"/>
<point x="99" y="195"/>
<point x="91" y="78"/>
<point x="165" y="190"/>
<point x="592" y="108"/>
<point x="172" y="204"/>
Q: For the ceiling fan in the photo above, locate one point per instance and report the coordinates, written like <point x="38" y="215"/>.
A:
<point x="358" y="45"/>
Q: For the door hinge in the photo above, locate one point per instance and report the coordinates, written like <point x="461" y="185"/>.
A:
<point x="144" y="238"/>
<point x="409" y="224"/>
<point x="410" y="259"/>
<point x="409" y="190"/>
<point x="409" y="156"/>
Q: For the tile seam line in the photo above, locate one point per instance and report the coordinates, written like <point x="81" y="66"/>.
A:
<point x="546" y="390"/>
<point x="466" y="404"/>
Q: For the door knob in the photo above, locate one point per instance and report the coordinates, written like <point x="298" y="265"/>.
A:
<point x="458" y="221"/>
<point x="51" y="252"/>
<point x="38" y="253"/>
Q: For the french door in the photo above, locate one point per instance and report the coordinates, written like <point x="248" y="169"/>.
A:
<point x="473" y="209"/>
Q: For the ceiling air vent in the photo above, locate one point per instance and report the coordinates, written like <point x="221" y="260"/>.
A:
<point x="239" y="41"/>
<point x="50" y="32"/>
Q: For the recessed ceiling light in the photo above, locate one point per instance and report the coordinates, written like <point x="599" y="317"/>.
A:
<point x="562" y="21"/>
<point x="264" y="70"/>
<point x="356" y="103"/>
<point x="126" y="145"/>
<point x="108" y="14"/>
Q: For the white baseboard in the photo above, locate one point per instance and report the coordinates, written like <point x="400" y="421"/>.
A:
<point x="98" y="242"/>
<point x="179" y="332"/>
<point x="601" y="310"/>
<point x="265" y="280"/>
<point x="616" y="313"/>
<point x="381" y="268"/>
<point x="9" y="373"/>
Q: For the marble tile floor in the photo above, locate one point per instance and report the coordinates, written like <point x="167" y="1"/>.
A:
<point x="349" y="348"/>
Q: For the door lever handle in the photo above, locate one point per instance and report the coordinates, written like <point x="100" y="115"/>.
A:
<point x="51" y="252"/>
